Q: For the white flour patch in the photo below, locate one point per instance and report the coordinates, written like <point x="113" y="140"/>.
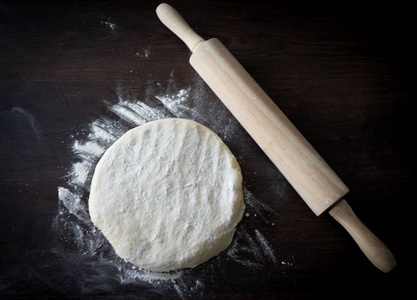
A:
<point x="266" y="247"/>
<point x="257" y="207"/>
<point x="176" y="103"/>
<point x="71" y="201"/>
<point x="80" y="172"/>
<point x="88" y="150"/>
<point x="250" y="249"/>
<point x="102" y="130"/>
<point x="145" y="53"/>
<point x="109" y="22"/>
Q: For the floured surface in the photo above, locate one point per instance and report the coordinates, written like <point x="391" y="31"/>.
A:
<point x="73" y="224"/>
<point x="167" y="195"/>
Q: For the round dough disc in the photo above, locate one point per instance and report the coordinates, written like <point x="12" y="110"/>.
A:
<point x="167" y="195"/>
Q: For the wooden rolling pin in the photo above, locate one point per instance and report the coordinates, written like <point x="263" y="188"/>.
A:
<point x="291" y="153"/>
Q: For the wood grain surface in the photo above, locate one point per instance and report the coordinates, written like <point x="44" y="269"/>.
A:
<point x="343" y="73"/>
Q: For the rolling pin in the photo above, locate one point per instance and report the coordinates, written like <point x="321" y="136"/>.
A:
<point x="313" y="179"/>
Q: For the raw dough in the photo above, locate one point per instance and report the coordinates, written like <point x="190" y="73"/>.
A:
<point x="167" y="195"/>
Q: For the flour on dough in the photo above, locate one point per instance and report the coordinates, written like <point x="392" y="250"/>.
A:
<point x="167" y="195"/>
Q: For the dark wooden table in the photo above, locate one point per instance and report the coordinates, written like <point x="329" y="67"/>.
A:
<point x="344" y="74"/>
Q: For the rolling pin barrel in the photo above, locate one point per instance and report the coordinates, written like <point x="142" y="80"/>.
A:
<point x="292" y="154"/>
<point x="285" y="146"/>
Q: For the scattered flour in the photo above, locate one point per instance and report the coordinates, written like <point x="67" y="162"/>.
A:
<point x="146" y="52"/>
<point x="88" y="149"/>
<point x="257" y="206"/>
<point x="109" y="22"/>
<point x="250" y="249"/>
<point x="266" y="247"/>
<point x="34" y="125"/>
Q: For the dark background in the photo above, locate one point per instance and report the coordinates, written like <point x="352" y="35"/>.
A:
<point x="343" y="72"/>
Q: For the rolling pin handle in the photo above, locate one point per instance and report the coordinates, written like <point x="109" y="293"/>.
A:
<point x="170" y="17"/>
<point x="371" y="246"/>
